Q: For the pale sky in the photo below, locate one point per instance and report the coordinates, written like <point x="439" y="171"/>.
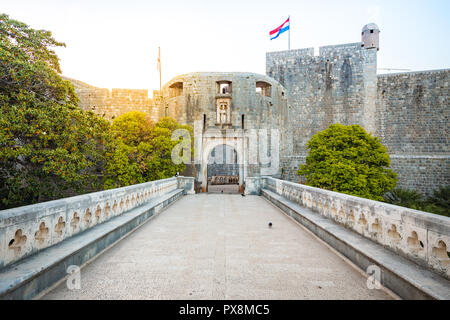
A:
<point x="114" y="44"/>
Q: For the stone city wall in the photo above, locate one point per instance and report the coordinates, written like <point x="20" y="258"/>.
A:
<point x="408" y="111"/>
<point x="413" y="113"/>
<point x="196" y="98"/>
<point x="337" y="86"/>
<point x="111" y="104"/>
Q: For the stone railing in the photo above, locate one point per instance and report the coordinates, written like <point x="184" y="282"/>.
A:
<point x="26" y="230"/>
<point x="187" y="184"/>
<point x="420" y="236"/>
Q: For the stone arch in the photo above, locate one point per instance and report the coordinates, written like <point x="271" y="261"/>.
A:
<point x="209" y="145"/>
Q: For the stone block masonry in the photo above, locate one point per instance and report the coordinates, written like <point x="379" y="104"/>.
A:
<point x="413" y="112"/>
<point x="409" y="112"/>
<point x="339" y="85"/>
<point x="111" y="104"/>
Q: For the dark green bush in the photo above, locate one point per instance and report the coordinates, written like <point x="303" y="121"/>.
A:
<point x="438" y="202"/>
<point x="347" y="159"/>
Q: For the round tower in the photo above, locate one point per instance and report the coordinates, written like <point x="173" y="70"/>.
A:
<point x="370" y="36"/>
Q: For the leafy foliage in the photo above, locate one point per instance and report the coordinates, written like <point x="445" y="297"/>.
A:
<point x="438" y="202"/>
<point x="49" y="147"/>
<point x="404" y="198"/>
<point x="133" y="128"/>
<point x="143" y="150"/>
<point x="349" y="160"/>
<point x="441" y="198"/>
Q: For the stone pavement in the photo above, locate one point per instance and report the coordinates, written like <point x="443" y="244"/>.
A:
<point x="211" y="246"/>
<point x="227" y="188"/>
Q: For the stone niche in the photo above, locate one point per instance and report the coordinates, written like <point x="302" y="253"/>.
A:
<point x="223" y="111"/>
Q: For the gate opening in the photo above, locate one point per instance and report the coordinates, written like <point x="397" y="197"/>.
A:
<point x="223" y="170"/>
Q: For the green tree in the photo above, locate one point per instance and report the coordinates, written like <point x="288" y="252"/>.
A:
<point x="133" y="128"/>
<point x="349" y="160"/>
<point x="143" y="151"/>
<point x="49" y="147"/>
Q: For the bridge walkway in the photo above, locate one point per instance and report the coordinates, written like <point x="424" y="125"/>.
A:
<point x="219" y="246"/>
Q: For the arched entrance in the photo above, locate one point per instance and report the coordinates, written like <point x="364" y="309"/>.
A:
<point x="222" y="164"/>
<point x="223" y="170"/>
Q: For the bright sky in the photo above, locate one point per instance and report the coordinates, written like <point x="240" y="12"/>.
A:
<point x="114" y="44"/>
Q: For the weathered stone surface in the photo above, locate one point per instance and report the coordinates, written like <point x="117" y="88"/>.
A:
<point x="419" y="236"/>
<point x="302" y="94"/>
<point x="401" y="275"/>
<point x="209" y="246"/>
<point x="35" y="274"/>
<point x="111" y="104"/>
<point x="29" y="229"/>
<point x="413" y="122"/>
<point x="226" y="109"/>
<point x="338" y="85"/>
<point x="408" y="111"/>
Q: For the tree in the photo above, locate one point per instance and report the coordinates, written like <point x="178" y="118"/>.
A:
<point x="133" y="128"/>
<point x="349" y="160"/>
<point x="49" y="147"/>
<point x="143" y="150"/>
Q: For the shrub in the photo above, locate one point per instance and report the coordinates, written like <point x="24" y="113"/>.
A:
<point x="438" y="202"/>
<point x="349" y="160"/>
<point x="404" y="198"/>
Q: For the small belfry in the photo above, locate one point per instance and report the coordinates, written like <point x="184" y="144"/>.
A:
<point x="370" y="36"/>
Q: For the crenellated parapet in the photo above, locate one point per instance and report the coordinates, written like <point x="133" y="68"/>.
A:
<point x="338" y="85"/>
<point x="115" y="102"/>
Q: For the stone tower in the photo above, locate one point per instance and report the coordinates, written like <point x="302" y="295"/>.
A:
<point x="370" y="36"/>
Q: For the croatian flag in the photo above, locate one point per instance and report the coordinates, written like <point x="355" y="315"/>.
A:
<point x="275" y="33"/>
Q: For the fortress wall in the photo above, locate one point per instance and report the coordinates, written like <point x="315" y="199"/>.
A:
<point x="413" y="111"/>
<point x="290" y="166"/>
<point x="408" y="111"/>
<point x="338" y="86"/>
<point x="114" y="103"/>
<point x="199" y="97"/>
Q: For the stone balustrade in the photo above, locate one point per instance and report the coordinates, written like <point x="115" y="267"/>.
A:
<point x="29" y="229"/>
<point x="420" y="236"/>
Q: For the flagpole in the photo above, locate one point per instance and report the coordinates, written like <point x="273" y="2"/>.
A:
<point x="159" y="57"/>
<point x="289" y="38"/>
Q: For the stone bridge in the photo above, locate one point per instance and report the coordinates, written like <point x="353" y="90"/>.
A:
<point x="160" y="240"/>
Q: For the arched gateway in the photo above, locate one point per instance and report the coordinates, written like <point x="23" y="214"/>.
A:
<point x="224" y="166"/>
<point x="225" y="109"/>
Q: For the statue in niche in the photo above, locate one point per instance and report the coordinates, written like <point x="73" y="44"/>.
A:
<point x="223" y="113"/>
